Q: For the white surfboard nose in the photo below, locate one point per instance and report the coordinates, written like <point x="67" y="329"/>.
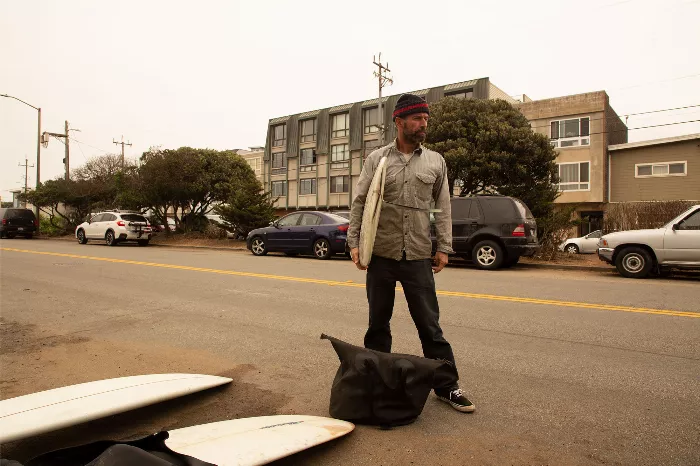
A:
<point x="49" y="410"/>
<point x="256" y="440"/>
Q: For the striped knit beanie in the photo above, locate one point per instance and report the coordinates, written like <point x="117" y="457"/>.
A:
<point x="408" y="104"/>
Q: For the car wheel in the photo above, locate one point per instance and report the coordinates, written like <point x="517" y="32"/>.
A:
<point x="10" y="236"/>
<point x="109" y="238"/>
<point x="634" y="263"/>
<point x="322" y="249"/>
<point x="81" y="237"/>
<point x="143" y="242"/>
<point x="571" y="249"/>
<point x="29" y="236"/>
<point x="487" y="255"/>
<point x="258" y="247"/>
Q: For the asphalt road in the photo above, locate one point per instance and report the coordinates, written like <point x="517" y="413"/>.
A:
<point x="564" y="367"/>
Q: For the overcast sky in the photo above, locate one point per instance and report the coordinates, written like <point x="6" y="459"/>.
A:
<point x="211" y="73"/>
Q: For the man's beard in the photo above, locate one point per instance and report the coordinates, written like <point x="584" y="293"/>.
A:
<point x="415" y="137"/>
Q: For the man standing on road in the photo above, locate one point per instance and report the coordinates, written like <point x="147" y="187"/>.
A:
<point x="415" y="177"/>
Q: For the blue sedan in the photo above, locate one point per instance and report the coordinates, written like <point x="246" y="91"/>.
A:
<point x="319" y="233"/>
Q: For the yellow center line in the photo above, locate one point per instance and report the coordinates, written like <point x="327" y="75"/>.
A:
<point x="548" y="302"/>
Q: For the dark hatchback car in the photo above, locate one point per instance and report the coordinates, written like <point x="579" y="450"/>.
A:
<point x="17" y="222"/>
<point x="319" y="233"/>
<point x="492" y="231"/>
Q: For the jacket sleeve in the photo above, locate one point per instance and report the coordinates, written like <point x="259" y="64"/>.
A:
<point x="443" y="219"/>
<point x="358" y="204"/>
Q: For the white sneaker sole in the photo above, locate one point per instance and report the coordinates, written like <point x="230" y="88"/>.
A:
<point x="458" y="407"/>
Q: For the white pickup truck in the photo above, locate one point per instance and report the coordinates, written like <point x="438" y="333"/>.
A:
<point x="637" y="253"/>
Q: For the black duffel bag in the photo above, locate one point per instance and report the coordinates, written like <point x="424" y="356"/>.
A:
<point x="385" y="389"/>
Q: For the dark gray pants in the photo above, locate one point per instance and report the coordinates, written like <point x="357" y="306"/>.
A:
<point x="416" y="278"/>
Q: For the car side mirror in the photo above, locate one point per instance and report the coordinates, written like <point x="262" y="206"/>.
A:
<point x="676" y="226"/>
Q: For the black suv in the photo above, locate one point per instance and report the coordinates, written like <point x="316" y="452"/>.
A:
<point x="17" y="222"/>
<point x="492" y="231"/>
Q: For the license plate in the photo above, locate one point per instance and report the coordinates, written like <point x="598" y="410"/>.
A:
<point x="20" y="229"/>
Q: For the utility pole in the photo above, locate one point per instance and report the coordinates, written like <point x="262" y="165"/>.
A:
<point x="38" y="145"/>
<point x="26" y="178"/>
<point x="122" y="144"/>
<point x="66" y="160"/>
<point x="383" y="81"/>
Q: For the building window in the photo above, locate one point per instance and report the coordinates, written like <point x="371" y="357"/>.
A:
<point x="307" y="160"/>
<point x="370" y="146"/>
<point x="340" y="184"/>
<point x="255" y="165"/>
<point x="340" y="156"/>
<point x="574" y="176"/>
<point x="308" y="130"/>
<point x="279" y="135"/>
<point x="307" y="186"/>
<point x="340" y="125"/>
<point x="571" y="133"/>
<point x="279" y="188"/>
<point x="466" y="94"/>
<point x="279" y="161"/>
<point x="371" y="120"/>
<point x="647" y="170"/>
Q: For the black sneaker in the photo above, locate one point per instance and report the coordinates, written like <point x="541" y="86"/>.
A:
<point x="456" y="399"/>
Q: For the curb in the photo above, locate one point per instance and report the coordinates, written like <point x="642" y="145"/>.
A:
<point x="588" y="268"/>
<point x="181" y="246"/>
<point x="521" y="265"/>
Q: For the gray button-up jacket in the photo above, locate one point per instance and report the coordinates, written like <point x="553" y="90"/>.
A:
<point x="416" y="184"/>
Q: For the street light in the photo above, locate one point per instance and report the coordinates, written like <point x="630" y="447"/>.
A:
<point x="38" y="144"/>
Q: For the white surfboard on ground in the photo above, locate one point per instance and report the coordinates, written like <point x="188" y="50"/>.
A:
<point x="370" y="216"/>
<point x="256" y="440"/>
<point x="49" y="410"/>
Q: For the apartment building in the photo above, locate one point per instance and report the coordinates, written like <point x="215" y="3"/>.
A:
<point x="581" y="127"/>
<point x="312" y="160"/>
<point x="254" y="156"/>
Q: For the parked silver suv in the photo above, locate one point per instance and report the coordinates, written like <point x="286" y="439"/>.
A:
<point x="636" y="253"/>
<point x="114" y="227"/>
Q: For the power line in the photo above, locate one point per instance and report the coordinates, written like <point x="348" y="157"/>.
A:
<point x="655" y="82"/>
<point x="635" y="114"/>
<point x="81" y="150"/>
<point x="349" y="160"/>
<point x="96" y="148"/>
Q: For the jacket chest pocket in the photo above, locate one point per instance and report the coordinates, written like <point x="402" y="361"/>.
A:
<point x="391" y="188"/>
<point x="424" y="186"/>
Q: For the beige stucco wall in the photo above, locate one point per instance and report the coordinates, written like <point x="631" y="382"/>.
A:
<point x="541" y="113"/>
<point x="626" y="187"/>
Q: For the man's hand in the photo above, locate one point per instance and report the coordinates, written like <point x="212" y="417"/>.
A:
<point x="439" y="262"/>
<point x="355" y="256"/>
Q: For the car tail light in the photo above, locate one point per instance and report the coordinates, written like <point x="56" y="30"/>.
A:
<point x="36" y="222"/>
<point x="519" y="230"/>
<point x="4" y="221"/>
<point x="343" y="228"/>
<point x="121" y="223"/>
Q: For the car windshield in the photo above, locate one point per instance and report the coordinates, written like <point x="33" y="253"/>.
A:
<point x="20" y="213"/>
<point x="134" y="218"/>
<point x="681" y="216"/>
